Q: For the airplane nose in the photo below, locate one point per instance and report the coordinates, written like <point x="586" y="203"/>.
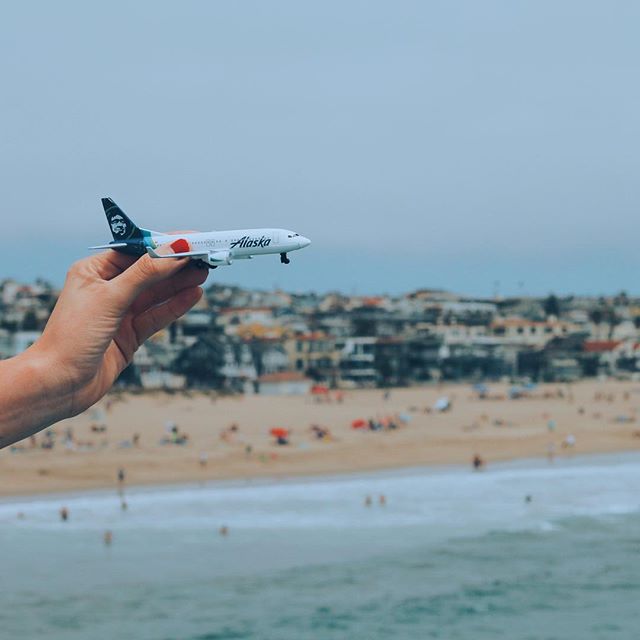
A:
<point x="303" y="242"/>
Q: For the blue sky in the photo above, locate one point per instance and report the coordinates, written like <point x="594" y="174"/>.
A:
<point x="418" y="144"/>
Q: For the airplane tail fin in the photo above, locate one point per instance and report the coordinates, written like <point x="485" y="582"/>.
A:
<point x="122" y="227"/>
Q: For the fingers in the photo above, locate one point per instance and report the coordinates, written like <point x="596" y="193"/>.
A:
<point x="104" y="266"/>
<point x="157" y="318"/>
<point x="110" y="264"/>
<point x="144" y="273"/>
<point x="190" y="276"/>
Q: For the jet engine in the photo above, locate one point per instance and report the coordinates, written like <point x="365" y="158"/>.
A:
<point x="218" y="258"/>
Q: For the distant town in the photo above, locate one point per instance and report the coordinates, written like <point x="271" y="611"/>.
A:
<point x="273" y="342"/>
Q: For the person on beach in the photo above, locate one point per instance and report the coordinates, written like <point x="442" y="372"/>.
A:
<point x="64" y="514"/>
<point x="109" y="305"/>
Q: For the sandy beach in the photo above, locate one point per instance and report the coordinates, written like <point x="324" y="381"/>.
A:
<point x="599" y="417"/>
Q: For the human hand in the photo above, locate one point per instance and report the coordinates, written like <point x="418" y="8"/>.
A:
<point x="110" y="304"/>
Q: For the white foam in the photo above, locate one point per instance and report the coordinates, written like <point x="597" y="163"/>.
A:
<point x="443" y="503"/>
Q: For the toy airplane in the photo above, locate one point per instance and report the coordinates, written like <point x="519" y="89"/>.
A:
<point x="211" y="249"/>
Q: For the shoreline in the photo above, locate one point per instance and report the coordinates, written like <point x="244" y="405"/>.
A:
<point x="598" y="417"/>
<point x="560" y="464"/>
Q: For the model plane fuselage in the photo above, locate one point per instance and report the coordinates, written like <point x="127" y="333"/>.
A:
<point x="222" y="247"/>
<point x="212" y="248"/>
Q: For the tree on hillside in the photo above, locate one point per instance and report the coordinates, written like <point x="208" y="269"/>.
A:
<point x="596" y="315"/>
<point x="202" y="362"/>
<point x="552" y="306"/>
<point x="129" y="377"/>
<point x="30" y="321"/>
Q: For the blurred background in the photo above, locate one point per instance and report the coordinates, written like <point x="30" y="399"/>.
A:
<point x="421" y="427"/>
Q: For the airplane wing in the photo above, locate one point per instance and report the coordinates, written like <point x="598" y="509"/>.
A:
<point x="111" y="245"/>
<point x="183" y="254"/>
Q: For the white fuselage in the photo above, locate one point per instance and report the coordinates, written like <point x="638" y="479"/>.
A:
<point x="222" y="247"/>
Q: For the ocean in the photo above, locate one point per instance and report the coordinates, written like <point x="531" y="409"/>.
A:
<point x="452" y="554"/>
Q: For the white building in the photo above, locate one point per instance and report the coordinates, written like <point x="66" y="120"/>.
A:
<point x="286" y="383"/>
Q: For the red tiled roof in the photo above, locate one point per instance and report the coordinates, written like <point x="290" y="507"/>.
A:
<point x="316" y="335"/>
<point x="227" y="310"/>
<point x="600" y="346"/>
<point x="284" y="376"/>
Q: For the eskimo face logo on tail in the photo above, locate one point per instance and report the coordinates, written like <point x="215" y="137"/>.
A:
<point x="118" y="225"/>
<point x="248" y="241"/>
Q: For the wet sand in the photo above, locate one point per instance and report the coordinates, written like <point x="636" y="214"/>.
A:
<point x="496" y="428"/>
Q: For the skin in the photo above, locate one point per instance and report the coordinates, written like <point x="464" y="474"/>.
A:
<point x="110" y="304"/>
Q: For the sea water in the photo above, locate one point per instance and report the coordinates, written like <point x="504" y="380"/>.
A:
<point x="453" y="554"/>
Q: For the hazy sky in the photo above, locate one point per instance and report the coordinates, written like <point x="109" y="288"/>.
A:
<point x="442" y="144"/>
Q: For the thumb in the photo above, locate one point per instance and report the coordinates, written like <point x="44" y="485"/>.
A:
<point x="148" y="271"/>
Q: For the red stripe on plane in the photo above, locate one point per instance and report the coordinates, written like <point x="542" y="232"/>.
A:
<point x="180" y="246"/>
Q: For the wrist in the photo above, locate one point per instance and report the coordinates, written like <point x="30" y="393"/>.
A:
<point x="54" y="387"/>
<point x="33" y="395"/>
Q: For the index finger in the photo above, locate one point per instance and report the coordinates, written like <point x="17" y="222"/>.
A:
<point x="108" y="264"/>
<point x="145" y="272"/>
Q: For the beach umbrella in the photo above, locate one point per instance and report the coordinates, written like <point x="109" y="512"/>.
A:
<point x="279" y="432"/>
<point x="319" y="389"/>
<point x="481" y="389"/>
<point x="359" y="424"/>
<point x="442" y="404"/>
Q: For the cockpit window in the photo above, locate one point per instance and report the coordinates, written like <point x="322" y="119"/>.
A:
<point x="293" y="235"/>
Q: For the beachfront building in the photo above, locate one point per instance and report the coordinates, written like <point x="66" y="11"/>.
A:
<point x="423" y="356"/>
<point x="530" y="333"/>
<point x="151" y="366"/>
<point x="482" y="358"/>
<point x="268" y="354"/>
<point x="562" y="359"/>
<point x="192" y="325"/>
<point x="315" y="354"/>
<point x="337" y="325"/>
<point x="358" y="362"/>
<point x="238" y="370"/>
<point x="391" y="360"/>
<point x="285" y="383"/>
<point x="468" y="312"/>
<point x="235" y="336"/>
<point x="232" y="318"/>
<point x="456" y="333"/>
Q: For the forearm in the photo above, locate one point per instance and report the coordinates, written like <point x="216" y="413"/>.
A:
<point x="33" y="395"/>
